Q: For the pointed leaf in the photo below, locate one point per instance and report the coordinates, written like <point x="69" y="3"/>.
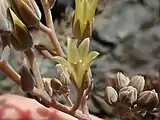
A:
<point x="84" y="48"/>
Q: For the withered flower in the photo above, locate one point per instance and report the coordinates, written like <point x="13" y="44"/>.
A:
<point x="63" y="74"/>
<point x="56" y="84"/>
<point x="111" y="95"/>
<point x="27" y="11"/>
<point x="148" y="99"/>
<point x="83" y="18"/>
<point x="20" y="38"/>
<point x="122" y="80"/>
<point x="128" y="95"/>
<point x="138" y="82"/>
<point x="47" y="85"/>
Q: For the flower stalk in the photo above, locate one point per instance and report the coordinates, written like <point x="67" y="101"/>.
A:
<point x="51" y="32"/>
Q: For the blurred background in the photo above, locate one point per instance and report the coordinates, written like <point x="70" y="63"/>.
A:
<point x="127" y="35"/>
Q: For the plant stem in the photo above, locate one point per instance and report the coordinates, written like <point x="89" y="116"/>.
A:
<point x="78" y="99"/>
<point x="9" y="71"/>
<point x="68" y="100"/>
<point x="78" y="114"/>
<point x="51" y="33"/>
<point x="53" y="39"/>
<point x="84" y="102"/>
<point x="35" y="69"/>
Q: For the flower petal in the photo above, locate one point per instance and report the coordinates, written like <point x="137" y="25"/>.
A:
<point x="63" y="62"/>
<point x="73" y="55"/>
<point x="84" y="48"/>
<point x="67" y="65"/>
<point x="80" y="72"/>
<point x="92" y="10"/>
<point x="92" y="55"/>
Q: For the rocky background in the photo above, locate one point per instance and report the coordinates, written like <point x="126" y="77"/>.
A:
<point x="126" y="33"/>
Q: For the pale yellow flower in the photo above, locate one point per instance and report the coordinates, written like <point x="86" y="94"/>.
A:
<point x="78" y="59"/>
<point x="84" y="14"/>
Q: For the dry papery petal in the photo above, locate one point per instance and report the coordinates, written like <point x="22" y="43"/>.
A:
<point x="63" y="74"/>
<point x="128" y="95"/>
<point x="138" y="82"/>
<point x="56" y="84"/>
<point x="47" y="85"/>
<point x="122" y="80"/>
<point x="148" y="99"/>
<point x="111" y="95"/>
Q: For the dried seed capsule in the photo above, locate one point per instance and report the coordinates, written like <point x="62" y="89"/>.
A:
<point x="63" y="74"/>
<point x="27" y="11"/>
<point x="122" y="80"/>
<point x="21" y="38"/>
<point x="148" y="99"/>
<point x="47" y="85"/>
<point x="128" y="95"/>
<point x="138" y="82"/>
<point x="111" y="95"/>
<point x="56" y="84"/>
<point x="27" y="79"/>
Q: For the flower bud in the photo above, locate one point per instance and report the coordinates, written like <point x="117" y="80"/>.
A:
<point x="138" y="82"/>
<point x="148" y="99"/>
<point x="82" y="24"/>
<point x="81" y="35"/>
<point x="111" y="95"/>
<point x="122" y="81"/>
<point x="128" y="95"/>
<point x="21" y="38"/>
<point x="27" y="11"/>
<point x="27" y="79"/>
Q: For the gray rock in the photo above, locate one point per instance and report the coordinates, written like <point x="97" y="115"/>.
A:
<point x="154" y="4"/>
<point x="126" y="20"/>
